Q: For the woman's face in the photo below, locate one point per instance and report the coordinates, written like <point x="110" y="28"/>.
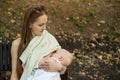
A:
<point x="39" y="25"/>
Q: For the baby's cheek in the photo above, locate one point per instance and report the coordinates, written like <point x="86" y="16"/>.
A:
<point x="52" y="61"/>
<point x="42" y="61"/>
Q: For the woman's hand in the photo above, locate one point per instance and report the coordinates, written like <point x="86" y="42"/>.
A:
<point x="50" y="65"/>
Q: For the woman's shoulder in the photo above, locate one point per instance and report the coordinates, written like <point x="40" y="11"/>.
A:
<point x="16" y="42"/>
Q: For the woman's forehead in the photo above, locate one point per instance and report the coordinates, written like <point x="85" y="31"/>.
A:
<point x="42" y="19"/>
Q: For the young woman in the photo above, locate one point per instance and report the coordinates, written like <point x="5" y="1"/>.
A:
<point x="31" y="47"/>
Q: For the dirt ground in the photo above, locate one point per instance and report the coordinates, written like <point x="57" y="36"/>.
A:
<point x="82" y="17"/>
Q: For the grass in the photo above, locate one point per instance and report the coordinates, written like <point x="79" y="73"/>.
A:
<point x="90" y="12"/>
<point x="85" y="1"/>
<point x="8" y="24"/>
<point x="1" y="21"/>
<point x="4" y="5"/>
<point x="73" y="17"/>
<point x="2" y="30"/>
<point x="74" y="2"/>
<point x="21" y="7"/>
<point x="16" y="13"/>
<point x="101" y="22"/>
<point x="82" y="23"/>
<point x="112" y="33"/>
<point x="55" y="9"/>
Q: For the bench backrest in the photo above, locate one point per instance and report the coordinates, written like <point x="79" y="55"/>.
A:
<point x="5" y="56"/>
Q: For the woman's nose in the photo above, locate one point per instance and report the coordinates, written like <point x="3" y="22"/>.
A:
<point x="44" y="27"/>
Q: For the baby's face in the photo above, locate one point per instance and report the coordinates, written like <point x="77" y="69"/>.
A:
<point x="60" y="55"/>
<point x="57" y="55"/>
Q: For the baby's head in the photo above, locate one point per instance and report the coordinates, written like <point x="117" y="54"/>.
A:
<point x="63" y="56"/>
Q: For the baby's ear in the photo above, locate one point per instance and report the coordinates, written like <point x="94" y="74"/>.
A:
<point x="61" y="58"/>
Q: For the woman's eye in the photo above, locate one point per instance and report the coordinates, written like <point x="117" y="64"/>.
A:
<point x="41" y="25"/>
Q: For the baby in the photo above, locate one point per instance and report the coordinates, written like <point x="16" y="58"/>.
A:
<point x="60" y="56"/>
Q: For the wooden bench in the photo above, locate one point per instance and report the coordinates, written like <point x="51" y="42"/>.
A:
<point x="5" y="56"/>
<point x="5" y="59"/>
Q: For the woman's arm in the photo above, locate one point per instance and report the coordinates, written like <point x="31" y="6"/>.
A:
<point x="14" y="54"/>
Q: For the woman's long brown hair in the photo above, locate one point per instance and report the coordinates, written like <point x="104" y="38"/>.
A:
<point x="26" y="35"/>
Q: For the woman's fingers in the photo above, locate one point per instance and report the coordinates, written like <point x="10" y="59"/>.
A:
<point x="50" y="65"/>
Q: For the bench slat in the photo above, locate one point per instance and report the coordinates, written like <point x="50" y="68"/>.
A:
<point x="9" y="56"/>
<point x="4" y="56"/>
<point x="1" y="58"/>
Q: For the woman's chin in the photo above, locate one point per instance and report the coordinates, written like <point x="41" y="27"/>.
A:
<point x="40" y="34"/>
